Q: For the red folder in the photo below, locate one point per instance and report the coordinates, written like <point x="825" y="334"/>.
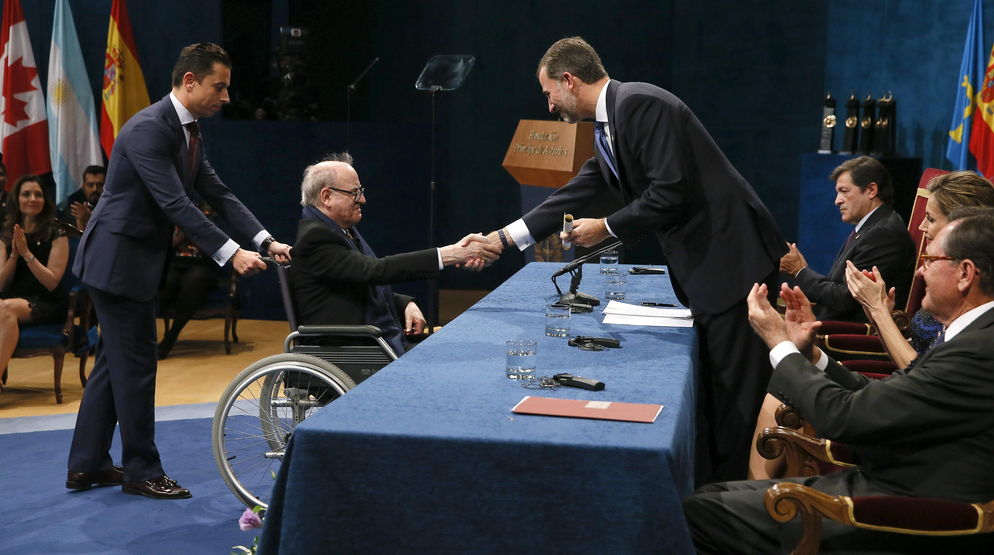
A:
<point x="578" y="408"/>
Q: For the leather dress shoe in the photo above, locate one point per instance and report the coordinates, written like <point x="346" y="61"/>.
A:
<point x="162" y="487"/>
<point x="87" y="480"/>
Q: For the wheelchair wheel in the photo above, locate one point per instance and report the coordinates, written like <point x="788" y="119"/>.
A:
<point x="257" y="414"/>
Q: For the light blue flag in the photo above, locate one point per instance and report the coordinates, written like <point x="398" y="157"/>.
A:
<point x="969" y="81"/>
<point x="72" y="124"/>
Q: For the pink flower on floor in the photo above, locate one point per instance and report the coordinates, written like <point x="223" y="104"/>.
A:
<point x="249" y="520"/>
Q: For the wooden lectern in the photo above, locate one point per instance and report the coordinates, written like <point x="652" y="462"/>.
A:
<point x="545" y="155"/>
<point x="548" y="153"/>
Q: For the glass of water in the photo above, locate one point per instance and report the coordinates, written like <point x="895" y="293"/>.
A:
<point x="521" y="359"/>
<point x="615" y="286"/>
<point x="609" y="262"/>
<point x="557" y="320"/>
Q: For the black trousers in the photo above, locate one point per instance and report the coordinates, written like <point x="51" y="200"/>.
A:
<point x="735" y="370"/>
<point x="121" y="389"/>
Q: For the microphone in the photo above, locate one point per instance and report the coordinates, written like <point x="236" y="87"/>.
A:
<point x="573" y="265"/>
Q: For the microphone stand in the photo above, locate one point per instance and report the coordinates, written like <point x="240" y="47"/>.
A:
<point x="577" y="301"/>
<point x="348" y="103"/>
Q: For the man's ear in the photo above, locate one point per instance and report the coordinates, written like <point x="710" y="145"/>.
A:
<point x="872" y="189"/>
<point x="570" y="81"/>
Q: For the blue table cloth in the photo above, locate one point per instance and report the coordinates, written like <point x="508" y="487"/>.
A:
<point x="426" y="455"/>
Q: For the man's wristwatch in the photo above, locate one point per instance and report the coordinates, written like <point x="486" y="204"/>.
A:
<point x="264" y="245"/>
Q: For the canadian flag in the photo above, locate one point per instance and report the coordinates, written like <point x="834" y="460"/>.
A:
<point x="23" y="128"/>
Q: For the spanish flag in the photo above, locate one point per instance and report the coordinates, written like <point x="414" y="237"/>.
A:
<point x="124" y="92"/>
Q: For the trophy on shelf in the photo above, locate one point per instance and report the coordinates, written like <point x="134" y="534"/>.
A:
<point x="827" y="125"/>
<point x="885" y="127"/>
<point x="867" y="122"/>
<point x="850" y="136"/>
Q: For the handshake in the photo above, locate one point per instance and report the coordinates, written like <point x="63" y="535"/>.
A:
<point x="473" y="252"/>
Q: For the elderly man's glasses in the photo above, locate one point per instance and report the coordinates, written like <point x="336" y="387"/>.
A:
<point x="356" y="193"/>
<point x="927" y="259"/>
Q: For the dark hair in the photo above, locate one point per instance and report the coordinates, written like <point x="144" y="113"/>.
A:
<point x="865" y="170"/>
<point x="14" y="216"/>
<point x="973" y="239"/>
<point x="199" y="60"/>
<point x="94" y="170"/>
<point x="574" y="55"/>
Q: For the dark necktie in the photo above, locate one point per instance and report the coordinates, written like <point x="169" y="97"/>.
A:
<point x="600" y="139"/>
<point x="191" y="148"/>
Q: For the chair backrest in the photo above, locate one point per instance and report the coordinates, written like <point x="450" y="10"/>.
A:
<point x="917" y="291"/>
<point x="283" y="276"/>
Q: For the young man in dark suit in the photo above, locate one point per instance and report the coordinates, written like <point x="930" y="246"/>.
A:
<point x="157" y="162"/>
<point x="336" y="276"/>
<point x="863" y="195"/>
<point x="675" y="183"/>
<point x="925" y="431"/>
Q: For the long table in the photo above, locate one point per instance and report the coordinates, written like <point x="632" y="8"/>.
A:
<point x="426" y="455"/>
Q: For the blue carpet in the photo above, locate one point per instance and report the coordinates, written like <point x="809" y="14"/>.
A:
<point x="38" y="515"/>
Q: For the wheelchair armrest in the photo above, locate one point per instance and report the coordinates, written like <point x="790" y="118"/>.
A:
<point x="368" y="331"/>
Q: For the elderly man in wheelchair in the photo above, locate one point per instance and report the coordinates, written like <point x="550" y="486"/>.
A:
<point x="345" y="321"/>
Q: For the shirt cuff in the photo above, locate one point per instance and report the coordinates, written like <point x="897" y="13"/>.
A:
<point x="519" y="233"/>
<point x="259" y="238"/>
<point x="780" y="351"/>
<point x="784" y="348"/>
<point x="224" y="254"/>
<point x="608" y="228"/>
<point x="440" y="265"/>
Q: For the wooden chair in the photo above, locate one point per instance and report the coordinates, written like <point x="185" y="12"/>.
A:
<point x="885" y="513"/>
<point x="222" y="303"/>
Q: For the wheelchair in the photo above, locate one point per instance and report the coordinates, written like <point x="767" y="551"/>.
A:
<point x="258" y="411"/>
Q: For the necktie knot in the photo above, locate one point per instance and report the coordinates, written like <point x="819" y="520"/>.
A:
<point x="194" y="128"/>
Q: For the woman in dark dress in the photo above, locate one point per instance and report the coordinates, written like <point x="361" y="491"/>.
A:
<point x="34" y="254"/>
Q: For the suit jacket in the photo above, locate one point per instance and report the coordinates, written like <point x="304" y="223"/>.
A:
<point x="927" y="430"/>
<point x="128" y="240"/>
<point x="883" y="241"/>
<point x="717" y="235"/>
<point x="333" y="280"/>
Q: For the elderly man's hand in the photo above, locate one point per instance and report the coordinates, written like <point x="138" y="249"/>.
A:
<point x="799" y="320"/>
<point x="792" y="262"/>
<point x="414" y="321"/>
<point x="587" y="232"/>
<point x="764" y="319"/>
<point x="280" y="252"/>
<point x="247" y="263"/>
<point x="473" y="252"/>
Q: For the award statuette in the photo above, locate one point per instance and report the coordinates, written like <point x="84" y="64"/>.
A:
<point x="885" y="131"/>
<point x="866" y="123"/>
<point x="827" y="125"/>
<point x="851" y="134"/>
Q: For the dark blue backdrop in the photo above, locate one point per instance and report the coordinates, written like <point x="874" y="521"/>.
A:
<point x="754" y="73"/>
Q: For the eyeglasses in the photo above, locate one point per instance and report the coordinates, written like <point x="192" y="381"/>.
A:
<point x="927" y="259"/>
<point x="355" y="193"/>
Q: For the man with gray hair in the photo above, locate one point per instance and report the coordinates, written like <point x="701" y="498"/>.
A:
<point x="925" y="431"/>
<point x="336" y="277"/>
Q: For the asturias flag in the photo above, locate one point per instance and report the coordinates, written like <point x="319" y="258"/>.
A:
<point x="22" y="104"/>
<point x="124" y="91"/>
<point x="971" y="74"/>
<point x="72" y="122"/>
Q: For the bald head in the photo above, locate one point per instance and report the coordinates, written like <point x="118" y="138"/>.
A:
<point x="330" y="187"/>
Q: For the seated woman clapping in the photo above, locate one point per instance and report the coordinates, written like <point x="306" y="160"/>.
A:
<point x="33" y="257"/>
